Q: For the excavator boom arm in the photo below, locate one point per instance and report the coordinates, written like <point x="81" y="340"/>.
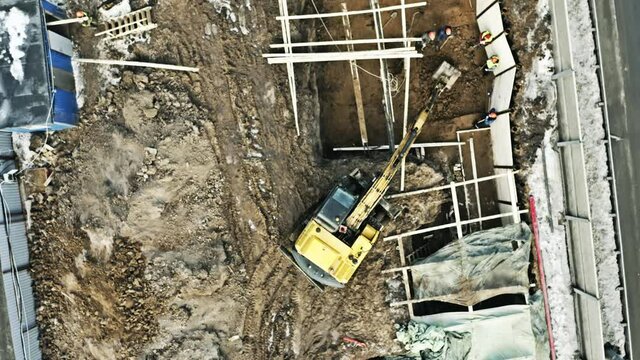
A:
<point x="380" y="186"/>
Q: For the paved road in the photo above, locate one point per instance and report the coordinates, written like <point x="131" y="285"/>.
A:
<point x="621" y="60"/>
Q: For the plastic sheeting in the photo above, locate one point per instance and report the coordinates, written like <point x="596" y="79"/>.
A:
<point x="496" y="334"/>
<point x="477" y="267"/>
<point x="433" y="342"/>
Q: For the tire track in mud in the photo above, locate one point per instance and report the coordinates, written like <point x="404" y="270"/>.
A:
<point x="266" y="302"/>
<point x="274" y="293"/>
<point x="269" y="293"/>
<point x="270" y="272"/>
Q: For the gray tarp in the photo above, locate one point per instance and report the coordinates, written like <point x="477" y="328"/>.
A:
<point x="507" y="332"/>
<point x="477" y="267"/>
<point x="496" y="334"/>
<point x="433" y="342"/>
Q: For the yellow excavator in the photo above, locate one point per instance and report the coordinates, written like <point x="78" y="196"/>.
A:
<point x="342" y="230"/>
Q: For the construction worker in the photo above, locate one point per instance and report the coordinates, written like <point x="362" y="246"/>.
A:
<point x="428" y="37"/>
<point x="82" y="14"/>
<point x="444" y="33"/>
<point x="492" y="63"/>
<point x="488" y="119"/>
<point x="486" y="38"/>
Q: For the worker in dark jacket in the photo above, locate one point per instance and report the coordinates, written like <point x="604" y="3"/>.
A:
<point x="444" y="33"/>
<point x="489" y="118"/>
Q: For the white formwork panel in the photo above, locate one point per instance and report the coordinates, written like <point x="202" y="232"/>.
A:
<point x="504" y="208"/>
<point x="502" y="187"/>
<point x="501" y="141"/>
<point x="500" y="47"/>
<point x="491" y="20"/>
<point x="502" y="90"/>
<point x="481" y="5"/>
<point x="60" y="43"/>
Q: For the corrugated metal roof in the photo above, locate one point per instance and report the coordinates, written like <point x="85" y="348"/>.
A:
<point x="14" y="317"/>
<point x="26" y="286"/>
<point x="28" y="303"/>
<point x="18" y="291"/>
<point x="10" y="192"/>
<point x="34" y="349"/>
<point x="15" y="247"/>
<point x="22" y="316"/>
<point x="6" y="145"/>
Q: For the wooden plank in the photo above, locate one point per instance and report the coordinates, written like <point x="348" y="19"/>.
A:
<point x="474" y="171"/>
<point x="448" y="226"/>
<point x="286" y="38"/>
<point x="384" y="76"/>
<point x="139" y="64"/>
<point x="357" y="90"/>
<point x="439" y="188"/>
<point x="347" y="42"/>
<point x="352" y="12"/>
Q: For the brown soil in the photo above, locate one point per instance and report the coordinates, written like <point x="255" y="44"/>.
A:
<point x="339" y="122"/>
<point x="157" y="237"/>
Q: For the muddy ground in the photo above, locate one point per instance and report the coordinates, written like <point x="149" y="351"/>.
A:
<point x="157" y="237"/>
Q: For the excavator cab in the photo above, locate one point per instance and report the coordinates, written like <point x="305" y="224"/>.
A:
<point x="335" y="209"/>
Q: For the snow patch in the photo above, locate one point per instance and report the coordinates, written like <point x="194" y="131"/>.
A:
<point x="545" y="184"/>
<point x="117" y="10"/>
<point x="234" y="13"/>
<point x="597" y="170"/>
<point x="79" y="80"/>
<point x="14" y="22"/>
<point x="21" y="144"/>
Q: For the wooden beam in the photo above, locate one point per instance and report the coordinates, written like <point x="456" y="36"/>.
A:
<point x="514" y="197"/>
<point x="352" y="12"/>
<point x="347" y="42"/>
<point x="401" y="50"/>
<point x="387" y="97"/>
<point x="355" y="77"/>
<point x="448" y="226"/>
<point x="138" y="64"/>
<point x="405" y="275"/>
<point x="474" y="171"/>
<point x="506" y="290"/>
<point x="286" y="38"/>
<point x="349" y="56"/>
<point x="456" y="209"/>
<point x="472" y="130"/>
<point x="407" y="85"/>
<point x="444" y="187"/>
<point x="68" y="21"/>
<point x="386" y="147"/>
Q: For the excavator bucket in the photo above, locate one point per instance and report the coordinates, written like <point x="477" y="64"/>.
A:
<point x="446" y="75"/>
